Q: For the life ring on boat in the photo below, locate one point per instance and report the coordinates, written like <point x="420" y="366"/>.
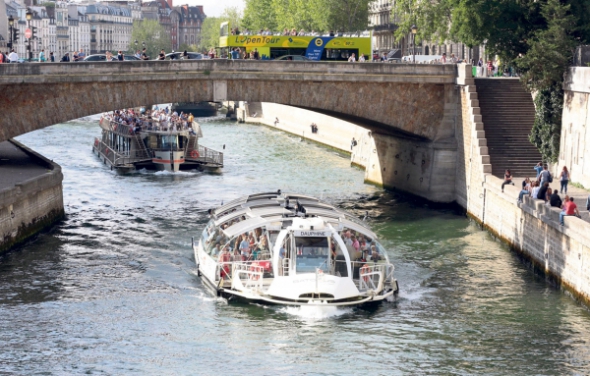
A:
<point x="96" y="142"/>
<point x="115" y="126"/>
<point x="365" y="269"/>
<point x="194" y="154"/>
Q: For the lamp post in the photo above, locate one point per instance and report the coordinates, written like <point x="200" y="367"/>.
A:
<point x="29" y="17"/>
<point x="11" y="23"/>
<point x="414" y="31"/>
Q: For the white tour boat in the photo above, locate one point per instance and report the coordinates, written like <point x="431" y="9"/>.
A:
<point x="292" y="249"/>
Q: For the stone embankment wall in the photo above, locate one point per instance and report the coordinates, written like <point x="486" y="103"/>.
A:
<point x="575" y="137"/>
<point x="530" y="227"/>
<point x="31" y="205"/>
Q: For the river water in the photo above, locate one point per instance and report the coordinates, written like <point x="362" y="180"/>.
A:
<point x="113" y="290"/>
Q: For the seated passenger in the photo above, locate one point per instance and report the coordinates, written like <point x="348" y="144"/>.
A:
<point x="375" y="257"/>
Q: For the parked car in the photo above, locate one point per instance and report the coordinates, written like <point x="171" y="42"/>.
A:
<point x="103" y="57"/>
<point x="178" y="56"/>
<point x="293" y="58"/>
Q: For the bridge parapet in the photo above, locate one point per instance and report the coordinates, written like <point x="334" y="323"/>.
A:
<point x="142" y="71"/>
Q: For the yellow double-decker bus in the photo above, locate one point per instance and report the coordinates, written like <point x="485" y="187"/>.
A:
<point x="317" y="48"/>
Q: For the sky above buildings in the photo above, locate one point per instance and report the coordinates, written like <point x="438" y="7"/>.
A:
<point x="213" y="8"/>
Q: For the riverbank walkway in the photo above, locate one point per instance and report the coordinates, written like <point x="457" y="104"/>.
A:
<point x="17" y="166"/>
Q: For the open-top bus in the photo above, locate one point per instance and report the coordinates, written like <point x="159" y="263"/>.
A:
<point x="324" y="48"/>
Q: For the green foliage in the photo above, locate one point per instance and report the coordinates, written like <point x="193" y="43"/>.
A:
<point x="538" y="36"/>
<point x="316" y="15"/>
<point x="154" y="36"/>
<point x="547" y="128"/>
<point x="550" y="50"/>
<point x="210" y="33"/>
<point x="259" y="15"/>
<point x="49" y="4"/>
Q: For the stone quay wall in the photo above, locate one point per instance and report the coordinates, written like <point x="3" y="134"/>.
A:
<point x="575" y="137"/>
<point x="31" y="205"/>
<point x="530" y="228"/>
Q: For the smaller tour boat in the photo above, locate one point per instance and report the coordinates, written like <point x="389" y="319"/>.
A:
<point x="151" y="144"/>
<point x="292" y="249"/>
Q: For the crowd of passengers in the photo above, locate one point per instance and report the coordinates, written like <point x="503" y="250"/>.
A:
<point x="286" y="32"/>
<point x="156" y="120"/>
<point x="250" y="246"/>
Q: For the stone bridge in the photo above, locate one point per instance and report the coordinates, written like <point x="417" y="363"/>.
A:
<point x="410" y="110"/>
<point x="414" y="100"/>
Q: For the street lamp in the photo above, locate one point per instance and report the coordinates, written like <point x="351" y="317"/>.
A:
<point x="29" y="17"/>
<point x="11" y="23"/>
<point x="414" y="31"/>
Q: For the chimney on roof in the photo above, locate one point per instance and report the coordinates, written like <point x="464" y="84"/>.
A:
<point x="169" y="3"/>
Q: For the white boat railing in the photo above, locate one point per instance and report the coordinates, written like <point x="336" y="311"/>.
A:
<point x="371" y="277"/>
<point x="247" y="276"/>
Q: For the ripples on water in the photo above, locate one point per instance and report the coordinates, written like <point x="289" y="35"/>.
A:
<point x="113" y="290"/>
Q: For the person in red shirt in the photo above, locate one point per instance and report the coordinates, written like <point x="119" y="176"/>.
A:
<point x="569" y="208"/>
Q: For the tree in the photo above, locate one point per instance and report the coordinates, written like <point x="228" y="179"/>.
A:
<point x="210" y="33"/>
<point x="233" y="15"/>
<point x="259" y="15"/>
<point x="152" y="34"/>
<point x="347" y="15"/>
<point x="537" y="36"/>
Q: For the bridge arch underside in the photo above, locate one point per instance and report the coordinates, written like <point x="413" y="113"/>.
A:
<point x="414" y="110"/>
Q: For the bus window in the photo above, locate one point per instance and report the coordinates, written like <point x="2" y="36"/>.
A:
<point x="224" y="29"/>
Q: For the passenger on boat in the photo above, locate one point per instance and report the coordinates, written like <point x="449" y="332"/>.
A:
<point x="245" y="247"/>
<point x="375" y="257"/>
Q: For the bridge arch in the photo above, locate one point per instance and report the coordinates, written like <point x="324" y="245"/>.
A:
<point x="390" y="98"/>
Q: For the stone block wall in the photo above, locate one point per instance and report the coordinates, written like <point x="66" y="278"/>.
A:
<point x="532" y="228"/>
<point x="30" y="206"/>
<point x="575" y="137"/>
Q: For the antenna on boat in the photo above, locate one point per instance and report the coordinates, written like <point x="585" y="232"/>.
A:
<point x="366" y="215"/>
<point x="278" y="192"/>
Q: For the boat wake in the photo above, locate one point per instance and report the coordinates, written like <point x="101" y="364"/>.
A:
<point x="315" y="312"/>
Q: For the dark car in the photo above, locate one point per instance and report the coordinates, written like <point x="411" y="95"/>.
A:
<point x="293" y="58"/>
<point x="178" y="56"/>
<point x="103" y="57"/>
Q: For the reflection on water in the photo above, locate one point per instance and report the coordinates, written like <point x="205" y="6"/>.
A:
<point x="113" y="290"/>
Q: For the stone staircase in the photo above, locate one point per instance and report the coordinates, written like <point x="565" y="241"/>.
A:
<point x="508" y="114"/>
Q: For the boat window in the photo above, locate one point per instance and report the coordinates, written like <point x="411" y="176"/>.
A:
<point x="215" y="242"/>
<point x="357" y="244"/>
<point x="169" y="142"/>
<point x="312" y="254"/>
<point x="251" y="246"/>
<point x="339" y="264"/>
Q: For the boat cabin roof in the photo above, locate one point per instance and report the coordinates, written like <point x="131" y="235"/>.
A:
<point x="279" y="209"/>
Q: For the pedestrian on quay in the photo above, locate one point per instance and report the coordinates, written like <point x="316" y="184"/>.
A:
<point x="144" y="55"/>
<point x="162" y="55"/>
<point x="542" y="194"/>
<point x="352" y="58"/>
<point x="507" y="179"/>
<point x="65" y="58"/>
<point x="545" y="176"/>
<point x="13" y="57"/>
<point x="538" y="168"/>
<point x="42" y="56"/>
<point x="570" y="209"/>
<point x="555" y="200"/>
<point x="51" y="57"/>
<point x="564" y="179"/>
<point x="120" y="56"/>
<point x="81" y="55"/>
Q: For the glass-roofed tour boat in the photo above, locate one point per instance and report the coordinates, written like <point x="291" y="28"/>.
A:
<point x="292" y="249"/>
